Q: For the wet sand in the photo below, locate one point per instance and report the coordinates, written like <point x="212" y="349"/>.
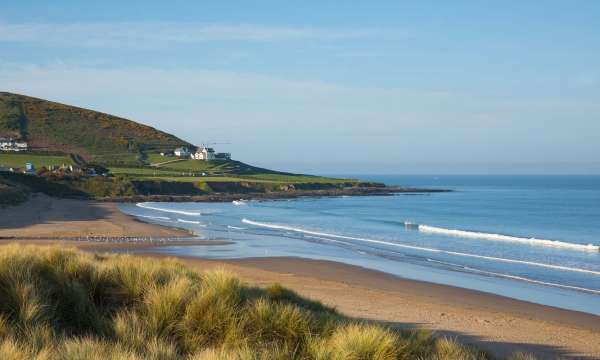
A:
<point x="46" y="217"/>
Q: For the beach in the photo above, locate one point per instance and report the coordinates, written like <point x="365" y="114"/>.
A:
<point x="46" y="217"/>
<point x="498" y="324"/>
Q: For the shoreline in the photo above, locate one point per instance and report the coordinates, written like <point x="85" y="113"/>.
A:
<point x="276" y="195"/>
<point x="376" y="279"/>
<point x="498" y="324"/>
<point x="45" y="217"/>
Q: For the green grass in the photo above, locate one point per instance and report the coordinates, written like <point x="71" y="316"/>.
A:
<point x="66" y="304"/>
<point x="19" y="160"/>
<point x="220" y="171"/>
<point x="198" y="165"/>
<point x="299" y="178"/>
<point x="207" y="179"/>
<point x="170" y="175"/>
<point x="118" y="159"/>
<point x="145" y="171"/>
<point x="214" y="166"/>
<point x="180" y="176"/>
<point x="153" y="158"/>
<point x="217" y="171"/>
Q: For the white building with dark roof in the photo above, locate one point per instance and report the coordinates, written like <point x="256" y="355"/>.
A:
<point x="182" y="152"/>
<point x="12" y="145"/>
<point x="204" y="153"/>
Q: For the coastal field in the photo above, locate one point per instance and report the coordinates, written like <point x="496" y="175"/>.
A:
<point x="127" y="154"/>
<point x="19" y="160"/>
<point x="493" y="323"/>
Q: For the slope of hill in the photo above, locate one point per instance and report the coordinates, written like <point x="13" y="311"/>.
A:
<point x="92" y="135"/>
<point x="61" y="135"/>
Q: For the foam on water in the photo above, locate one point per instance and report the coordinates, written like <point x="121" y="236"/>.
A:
<point x="189" y="213"/>
<point x="188" y="221"/>
<point x="514" y="277"/>
<point x="239" y="202"/>
<point x="499" y="237"/>
<point x="419" y="248"/>
<point x="235" y="227"/>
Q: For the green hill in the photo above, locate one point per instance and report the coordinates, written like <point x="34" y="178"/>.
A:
<point x="65" y="135"/>
<point x="94" y="136"/>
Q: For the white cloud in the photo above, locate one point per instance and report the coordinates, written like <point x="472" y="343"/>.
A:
<point x="150" y="34"/>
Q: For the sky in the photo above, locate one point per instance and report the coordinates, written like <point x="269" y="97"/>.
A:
<point x="329" y="87"/>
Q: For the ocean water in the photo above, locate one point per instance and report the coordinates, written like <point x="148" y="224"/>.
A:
<point x="534" y="238"/>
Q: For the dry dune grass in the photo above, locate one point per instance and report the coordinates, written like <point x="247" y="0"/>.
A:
<point x="66" y="304"/>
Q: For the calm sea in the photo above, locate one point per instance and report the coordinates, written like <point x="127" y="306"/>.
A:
<point x="534" y="238"/>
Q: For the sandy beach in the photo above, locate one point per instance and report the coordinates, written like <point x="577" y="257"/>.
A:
<point x="498" y="324"/>
<point x="45" y="217"/>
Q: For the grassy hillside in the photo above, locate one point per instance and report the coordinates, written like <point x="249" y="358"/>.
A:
<point x="93" y="135"/>
<point x="66" y="304"/>
<point x="20" y="159"/>
<point x="60" y="134"/>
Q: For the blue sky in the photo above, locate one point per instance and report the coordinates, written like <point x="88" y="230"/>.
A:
<point x="330" y="86"/>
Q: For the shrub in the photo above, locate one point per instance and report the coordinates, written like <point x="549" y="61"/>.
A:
<point x="66" y="304"/>
<point x="359" y="341"/>
<point x="212" y="317"/>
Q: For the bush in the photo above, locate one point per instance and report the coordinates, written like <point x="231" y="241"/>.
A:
<point x="66" y="304"/>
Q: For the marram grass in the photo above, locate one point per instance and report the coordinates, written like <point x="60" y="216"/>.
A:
<point x="67" y="304"/>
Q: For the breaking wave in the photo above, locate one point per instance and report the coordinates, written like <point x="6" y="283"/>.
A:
<point x="419" y="248"/>
<point x="188" y="221"/>
<point x="498" y="237"/>
<point x="239" y="202"/>
<point x="146" y="206"/>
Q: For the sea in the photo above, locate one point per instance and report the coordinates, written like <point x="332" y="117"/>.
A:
<point x="533" y="238"/>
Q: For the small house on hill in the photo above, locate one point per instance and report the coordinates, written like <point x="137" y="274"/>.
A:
<point x="207" y="153"/>
<point x="12" y="145"/>
<point x="204" y="153"/>
<point x="20" y="145"/>
<point x="182" y="152"/>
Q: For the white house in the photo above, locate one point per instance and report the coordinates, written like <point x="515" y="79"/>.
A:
<point x="204" y="153"/>
<point x="5" y="143"/>
<point x="12" y="145"/>
<point x="20" y="145"/>
<point x="182" y="152"/>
